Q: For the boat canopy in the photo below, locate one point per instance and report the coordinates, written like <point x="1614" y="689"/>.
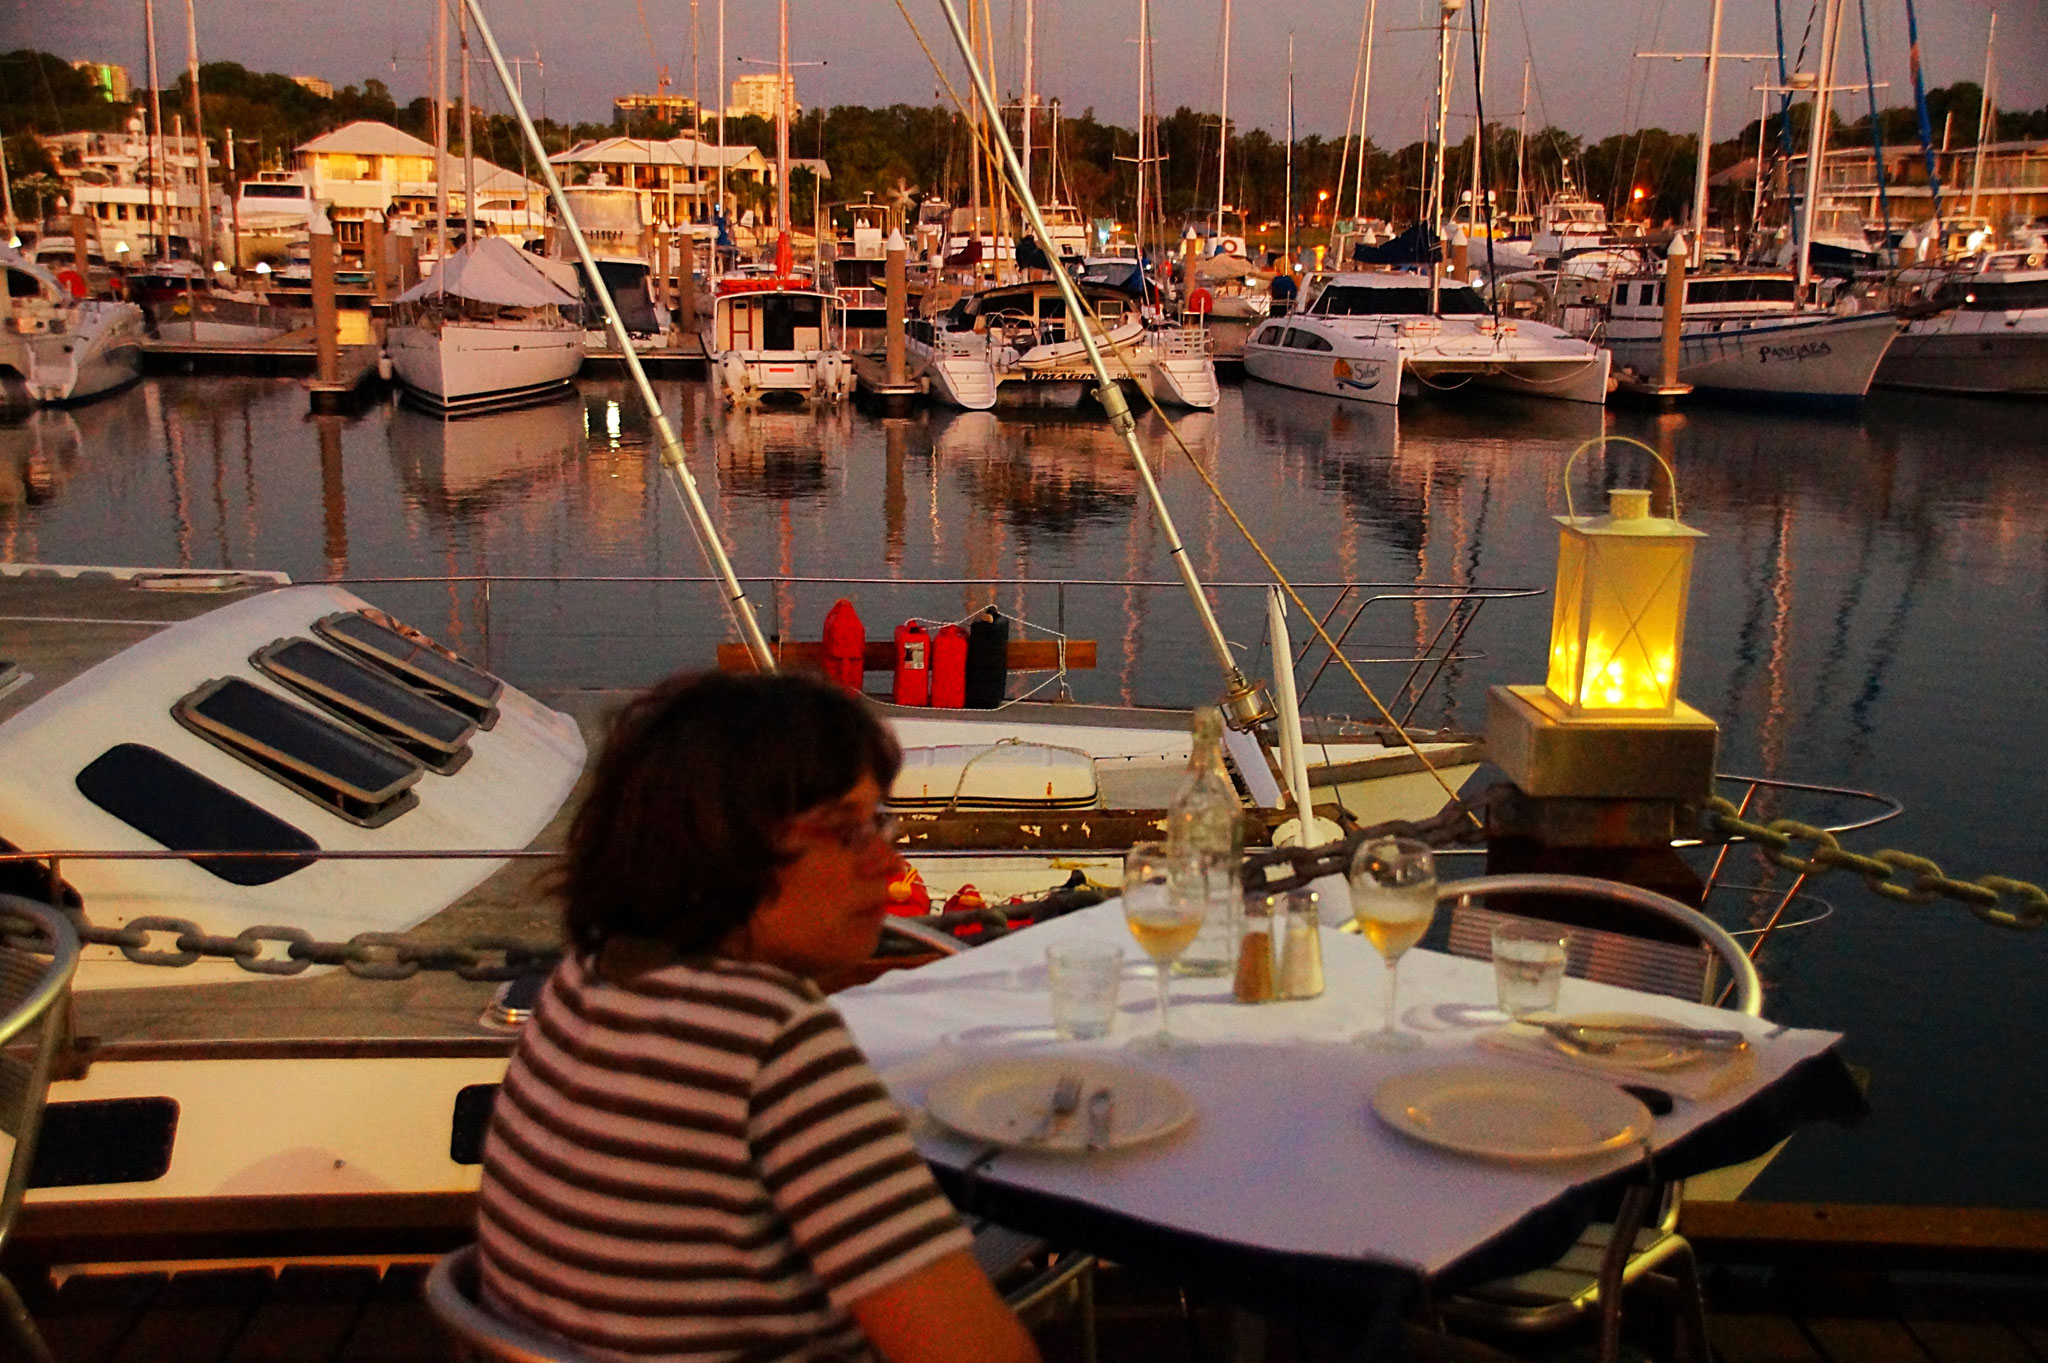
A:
<point x="492" y="271"/>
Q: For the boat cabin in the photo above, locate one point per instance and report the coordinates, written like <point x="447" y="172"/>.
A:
<point x="1039" y="308"/>
<point x="774" y="314"/>
<point x="1746" y="294"/>
<point x="1405" y="294"/>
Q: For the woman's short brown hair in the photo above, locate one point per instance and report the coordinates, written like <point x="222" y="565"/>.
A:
<point x="679" y="838"/>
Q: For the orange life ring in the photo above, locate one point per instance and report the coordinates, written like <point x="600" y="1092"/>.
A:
<point x="73" y="282"/>
<point x="1201" y="300"/>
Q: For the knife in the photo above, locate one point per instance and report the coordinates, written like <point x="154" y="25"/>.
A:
<point x="1101" y="1108"/>
<point x="1578" y="1033"/>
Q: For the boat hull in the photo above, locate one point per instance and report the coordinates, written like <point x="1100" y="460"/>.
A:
<point x="1971" y="352"/>
<point x="98" y="351"/>
<point x="1815" y="356"/>
<point x="461" y="367"/>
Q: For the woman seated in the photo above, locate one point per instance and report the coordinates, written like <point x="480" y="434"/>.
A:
<point x="690" y="1158"/>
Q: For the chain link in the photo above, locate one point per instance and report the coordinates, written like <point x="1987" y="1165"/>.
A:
<point x="1898" y="876"/>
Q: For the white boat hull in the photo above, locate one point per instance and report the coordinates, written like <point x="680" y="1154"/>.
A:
<point x="98" y="350"/>
<point x="464" y="366"/>
<point x="1386" y="368"/>
<point x="1992" y="354"/>
<point x="1816" y="355"/>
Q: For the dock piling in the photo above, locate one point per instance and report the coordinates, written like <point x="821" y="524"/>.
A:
<point x="326" y="323"/>
<point x="898" y="285"/>
<point x="79" y="254"/>
<point x="373" y="259"/>
<point x="684" y="308"/>
<point x="1674" y="313"/>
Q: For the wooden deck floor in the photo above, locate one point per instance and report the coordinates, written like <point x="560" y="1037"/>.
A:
<point x="373" y="1313"/>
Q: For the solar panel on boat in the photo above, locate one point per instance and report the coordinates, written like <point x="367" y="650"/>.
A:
<point x="417" y="661"/>
<point x="350" y="774"/>
<point x="354" y="690"/>
<point x="168" y="802"/>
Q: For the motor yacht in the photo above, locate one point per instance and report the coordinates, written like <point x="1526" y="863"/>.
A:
<point x="1980" y="326"/>
<point x="56" y="347"/>
<point x="1374" y="336"/>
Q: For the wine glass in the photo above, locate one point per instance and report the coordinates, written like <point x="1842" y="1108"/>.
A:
<point x="1163" y="922"/>
<point x="1393" y="897"/>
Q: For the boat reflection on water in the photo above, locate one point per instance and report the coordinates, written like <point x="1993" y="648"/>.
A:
<point x="460" y="469"/>
<point x="782" y="453"/>
<point x="37" y="457"/>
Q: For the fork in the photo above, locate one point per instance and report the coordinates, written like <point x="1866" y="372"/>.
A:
<point x="1597" y="1038"/>
<point x="1066" y="1100"/>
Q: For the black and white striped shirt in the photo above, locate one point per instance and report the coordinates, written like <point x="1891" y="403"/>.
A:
<point x="698" y="1163"/>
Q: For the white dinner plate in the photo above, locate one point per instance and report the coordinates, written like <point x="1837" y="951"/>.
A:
<point x="1636" y="1053"/>
<point x="1004" y="1101"/>
<point x="1510" y="1114"/>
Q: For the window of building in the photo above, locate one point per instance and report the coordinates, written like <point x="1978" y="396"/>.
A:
<point x="349" y="774"/>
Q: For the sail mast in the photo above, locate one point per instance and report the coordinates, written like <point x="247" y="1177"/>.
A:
<point x="1986" y="118"/>
<point x="1817" y="143"/>
<point x="159" y="196"/>
<point x="1522" y="141"/>
<point x="1223" y="136"/>
<point x="441" y="133"/>
<point x="1372" y="19"/>
<point x="468" y="157"/>
<point x="199" y="137"/>
<point x="1287" y="218"/>
<point x="782" y="128"/>
<point x="1699" y="179"/>
<point x="1030" y="48"/>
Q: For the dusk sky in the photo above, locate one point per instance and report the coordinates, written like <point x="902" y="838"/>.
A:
<point x="1585" y="78"/>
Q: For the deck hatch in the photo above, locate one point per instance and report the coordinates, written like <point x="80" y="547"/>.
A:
<point x="417" y="661"/>
<point x="165" y="800"/>
<point x="355" y="691"/>
<point x="105" y="1140"/>
<point x="349" y="774"/>
<point x="469" y="1122"/>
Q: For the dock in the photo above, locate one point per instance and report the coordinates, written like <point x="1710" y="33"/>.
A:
<point x="684" y="354"/>
<point x="871" y="379"/>
<point x="288" y="355"/>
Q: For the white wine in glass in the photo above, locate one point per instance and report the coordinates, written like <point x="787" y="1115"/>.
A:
<point x="1393" y="897"/>
<point x="1163" y="923"/>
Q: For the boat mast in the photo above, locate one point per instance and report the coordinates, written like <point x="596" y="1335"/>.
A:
<point x="1986" y="118"/>
<point x="1920" y="111"/>
<point x="1223" y="135"/>
<point x="1434" y="217"/>
<point x="468" y="157"/>
<point x="1480" y="14"/>
<point x="1522" y="140"/>
<point x="441" y="139"/>
<point x="1699" y="179"/>
<point x="1287" y="218"/>
<point x="782" y="129"/>
<point x="1817" y="143"/>
<point x="159" y="196"/>
<point x="1350" y="126"/>
<point x="671" y="447"/>
<point x="719" y="90"/>
<point x="1243" y="698"/>
<point x="1372" y="19"/>
<point x="199" y="137"/>
<point x="1030" y="43"/>
<point x="1144" y="51"/>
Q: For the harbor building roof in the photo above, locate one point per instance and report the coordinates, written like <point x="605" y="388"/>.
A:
<point x="366" y="137"/>
<point x="688" y="153"/>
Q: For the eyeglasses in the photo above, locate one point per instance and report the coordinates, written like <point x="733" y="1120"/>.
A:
<point x="857" y="834"/>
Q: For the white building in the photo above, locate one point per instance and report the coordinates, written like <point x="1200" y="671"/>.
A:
<point x="367" y="168"/>
<point x="754" y="96"/>
<point x="109" y="178"/>
<point x="676" y="178"/>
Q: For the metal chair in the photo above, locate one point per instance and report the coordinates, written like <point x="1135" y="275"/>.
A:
<point x="38" y="955"/>
<point x="453" y="1296"/>
<point x="1642" y="1244"/>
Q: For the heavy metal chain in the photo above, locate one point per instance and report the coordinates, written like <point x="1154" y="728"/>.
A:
<point x="1898" y="876"/>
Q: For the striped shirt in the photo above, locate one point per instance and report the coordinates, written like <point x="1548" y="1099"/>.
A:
<point x="698" y="1163"/>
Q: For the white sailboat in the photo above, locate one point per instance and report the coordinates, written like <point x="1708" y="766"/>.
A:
<point x="486" y="329"/>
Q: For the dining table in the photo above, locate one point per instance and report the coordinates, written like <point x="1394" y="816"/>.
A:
<point x="1285" y="1193"/>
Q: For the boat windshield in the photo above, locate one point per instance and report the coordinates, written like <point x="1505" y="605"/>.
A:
<point x="1342" y="300"/>
<point x="1980" y="296"/>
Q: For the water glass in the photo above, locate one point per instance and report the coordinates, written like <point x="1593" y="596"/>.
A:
<point x="1528" y="965"/>
<point x="1084" y="977"/>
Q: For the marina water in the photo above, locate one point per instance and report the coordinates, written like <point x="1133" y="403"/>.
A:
<point x="1869" y="611"/>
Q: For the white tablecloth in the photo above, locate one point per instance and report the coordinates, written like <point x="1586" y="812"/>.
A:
<point x="1285" y="1154"/>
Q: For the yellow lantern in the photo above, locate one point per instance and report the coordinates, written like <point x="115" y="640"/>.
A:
<point x="1617" y="628"/>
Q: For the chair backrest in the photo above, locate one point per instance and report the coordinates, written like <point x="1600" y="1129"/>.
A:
<point x="453" y="1297"/>
<point x="1683" y="970"/>
<point x="38" y="955"/>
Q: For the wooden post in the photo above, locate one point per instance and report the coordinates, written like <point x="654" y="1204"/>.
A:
<point x="662" y="292"/>
<point x="373" y="257"/>
<point x="326" y="328"/>
<point x="408" y="255"/>
<point x="896" y="278"/>
<point x="1461" y="254"/>
<point x="685" y="307"/>
<point x="1674" y="312"/>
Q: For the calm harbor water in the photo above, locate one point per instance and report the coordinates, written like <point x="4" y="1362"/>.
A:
<point x="1868" y="611"/>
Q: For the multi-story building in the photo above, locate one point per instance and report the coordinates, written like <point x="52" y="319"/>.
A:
<point x="322" y="88"/>
<point x="676" y="178"/>
<point x="754" y="96"/>
<point x="637" y="111"/>
<point x="135" y="197"/>
<point x="110" y="79"/>
<point x="367" y="168"/>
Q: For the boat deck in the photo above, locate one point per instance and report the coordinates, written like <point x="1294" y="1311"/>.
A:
<point x="372" y="1312"/>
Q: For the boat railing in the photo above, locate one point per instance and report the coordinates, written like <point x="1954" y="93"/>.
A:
<point x="1429" y="645"/>
<point x="1185" y="342"/>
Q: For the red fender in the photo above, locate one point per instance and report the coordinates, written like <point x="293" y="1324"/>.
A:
<point x="1201" y="300"/>
<point x="73" y="282"/>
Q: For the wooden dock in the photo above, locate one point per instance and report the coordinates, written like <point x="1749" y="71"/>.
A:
<point x="683" y="355"/>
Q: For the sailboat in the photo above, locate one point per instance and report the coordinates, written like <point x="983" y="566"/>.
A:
<point x="779" y="334"/>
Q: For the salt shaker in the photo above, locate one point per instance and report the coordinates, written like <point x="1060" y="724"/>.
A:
<point x="1301" y="962"/>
